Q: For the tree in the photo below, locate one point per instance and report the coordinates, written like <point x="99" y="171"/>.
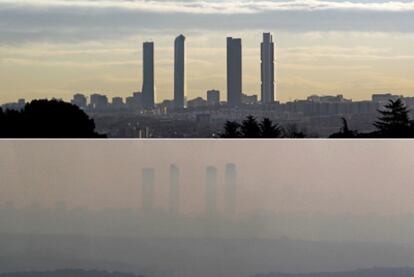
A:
<point x="269" y="130"/>
<point x="231" y="130"/>
<point x="292" y="131"/>
<point x="394" y="121"/>
<point x="47" y="119"/>
<point x="250" y="128"/>
<point x="344" y="132"/>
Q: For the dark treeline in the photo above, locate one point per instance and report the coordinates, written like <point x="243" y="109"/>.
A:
<point x="393" y="122"/>
<point x="252" y="128"/>
<point x="47" y="119"/>
<point x="58" y="119"/>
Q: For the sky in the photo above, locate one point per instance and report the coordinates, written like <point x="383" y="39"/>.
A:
<point x="55" y="48"/>
<point x="288" y="177"/>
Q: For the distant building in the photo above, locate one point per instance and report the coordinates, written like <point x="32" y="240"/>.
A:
<point x="179" y="72"/>
<point x="148" y="86"/>
<point x="267" y="69"/>
<point x="79" y="100"/>
<point x="203" y="118"/>
<point x="21" y="102"/>
<point x="148" y="190"/>
<point x="166" y="106"/>
<point x="213" y="97"/>
<point x="98" y="102"/>
<point x="409" y="101"/>
<point x="230" y="189"/>
<point x="174" y="199"/>
<point x="117" y="103"/>
<point x="17" y="106"/>
<point x="328" y="99"/>
<point x="211" y="190"/>
<point x="144" y="133"/>
<point x="234" y="71"/>
<point x="134" y="102"/>
<point x="384" y="98"/>
<point x="249" y="99"/>
<point x="196" y="103"/>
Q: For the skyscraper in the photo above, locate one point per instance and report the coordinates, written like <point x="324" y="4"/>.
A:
<point x="98" y="101"/>
<point x="179" y="72"/>
<point x="174" y="200"/>
<point x="230" y="189"/>
<point x="213" y="97"/>
<point x="267" y="69"/>
<point x="210" y="190"/>
<point x="234" y="71"/>
<point x="79" y="100"/>
<point x="148" y="192"/>
<point x="148" y="75"/>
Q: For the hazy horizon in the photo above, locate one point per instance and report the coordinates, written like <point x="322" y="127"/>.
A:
<point x="315" y="176"/>
<point x="55" y="48"/>
<point x="301" y="206"/>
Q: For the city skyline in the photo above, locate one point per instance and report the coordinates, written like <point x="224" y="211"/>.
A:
<point x="177" y="92"/>
<point x="152" y="180"/>
<point x="234" y="92"/>
<point x="324" y="47"/>
<point x="236" y="138"/>
<point x="96" y="175"/>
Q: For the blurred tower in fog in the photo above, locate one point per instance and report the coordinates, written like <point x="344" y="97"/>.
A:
<point x="230" y="189"/>
<point x="210" y="190"/>
<point x="148" y="193"/>
<point x="174" y="200"/>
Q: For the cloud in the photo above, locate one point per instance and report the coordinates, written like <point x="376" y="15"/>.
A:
<point x="219" y="7"/>
<point x="25" y="21"/>
<point x="357" y="54"/>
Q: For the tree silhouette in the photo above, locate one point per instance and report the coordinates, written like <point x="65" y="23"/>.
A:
<point x="47" y="119"/>
<point x="292" y="131"/>
<point x="269" y="130"/>
<point x="231" y="130"/>
<point x="250" y="128"/>
<point x="345" y="132"/>
<point x="394" y="121"/>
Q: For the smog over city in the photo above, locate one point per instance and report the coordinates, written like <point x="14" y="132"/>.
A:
<point x="206" y="138"/>
<point x="206" y="208"/>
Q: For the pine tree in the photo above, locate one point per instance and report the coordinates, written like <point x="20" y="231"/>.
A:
<point x="250" y="128"/>
<point x="231" y="130"/>
<point x="345" y="132"/>
<point x="269" y="130"/>
<point x="394" y="121"/>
